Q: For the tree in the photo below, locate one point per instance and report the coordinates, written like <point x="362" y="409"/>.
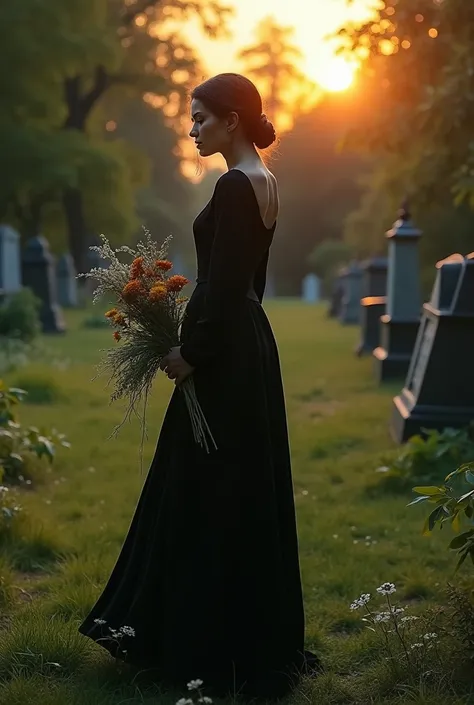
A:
<point x="418" y="76"/>
<point x="273" y="63"/>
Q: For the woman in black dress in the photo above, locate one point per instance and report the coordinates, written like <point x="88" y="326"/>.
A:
<point x="207" y="585"/>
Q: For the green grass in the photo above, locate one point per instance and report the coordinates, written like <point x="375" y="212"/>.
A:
<point x="351" y="540"/>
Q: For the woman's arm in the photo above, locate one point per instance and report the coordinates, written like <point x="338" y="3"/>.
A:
<point x="234" y="257"/>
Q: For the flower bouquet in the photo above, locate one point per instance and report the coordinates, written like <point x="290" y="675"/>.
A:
<point x="147" y="316"/>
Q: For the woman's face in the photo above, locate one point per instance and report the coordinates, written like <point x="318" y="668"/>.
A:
<point x="210" y="133"/>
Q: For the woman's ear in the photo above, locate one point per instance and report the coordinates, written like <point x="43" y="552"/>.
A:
<point x="232" y="121"/>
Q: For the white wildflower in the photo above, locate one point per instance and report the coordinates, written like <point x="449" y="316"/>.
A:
<point x="128" y="631"/>
<point x="386" y="589"/>
<point x="416" y="646"/>
<point x="361" y="601"/>
<point x="3" y="489"/>
<point x="100" y="621"/>
<point x="430" y="635"/>
<point x="185" y="701"/>
<point x="408" y="619"/>
<point x="205" y="699"/>
<point x="382" y="617"/>
<point x="397" y="610"/>
<point x="195" y="684"/>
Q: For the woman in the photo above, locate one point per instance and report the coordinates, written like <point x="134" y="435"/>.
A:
<point x="208" y="580"/>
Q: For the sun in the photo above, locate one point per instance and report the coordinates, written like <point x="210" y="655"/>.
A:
<point x="336" y="75"/>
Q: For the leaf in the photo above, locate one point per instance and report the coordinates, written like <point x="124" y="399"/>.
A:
<point x="17" y="393"/>
<point x="461" y="560"/>
<point x="418" y="499"/>
<point x="465" y="496"/>
<point x="469" y="477"/>
<point x="429" y="490"/>
<point x="456" y="522"/>
<point x="461" y="540"/>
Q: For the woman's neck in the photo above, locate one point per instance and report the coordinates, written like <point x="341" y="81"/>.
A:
<point x="241" y="154"/>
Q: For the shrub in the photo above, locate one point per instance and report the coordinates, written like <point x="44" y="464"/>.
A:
<point x="19" y="316"/>
<point x="17" y="444"/>
<point x="40" y="388"/>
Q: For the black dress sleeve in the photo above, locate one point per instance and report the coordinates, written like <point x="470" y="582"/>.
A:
<point x="234" y="259"/>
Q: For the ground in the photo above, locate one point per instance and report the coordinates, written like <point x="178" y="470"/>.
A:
<point x="353" y="536"/>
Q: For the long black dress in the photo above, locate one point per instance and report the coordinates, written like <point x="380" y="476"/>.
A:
<point x="208" y="577"/>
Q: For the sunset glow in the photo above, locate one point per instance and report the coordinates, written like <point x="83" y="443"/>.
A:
<point x="337" y="75"/>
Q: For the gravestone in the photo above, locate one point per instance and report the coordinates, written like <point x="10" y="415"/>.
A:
<point x="38" y="273"/>
<point x="439" y="388"/>
<point x="399" y="325"/>
<point x="373" y="303"/>
<point x="67" y="282"/>
<point x="311" y="289"/>
<point x="337" y="293"/>
<point x="10" y="260"/>
<point x="352" y="284"/>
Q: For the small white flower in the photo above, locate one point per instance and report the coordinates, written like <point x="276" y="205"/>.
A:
<point x="128" y="631"/>
<point x="195" y="684"/>
<point x="361" y="601"/>
<point x="185" y="701"/>
<point x="205" y="699"/>
<point x="4" y="489"/>
<point x="430" y="635"/>
<point x="382" y="617"/>
<point x="397" y="610"/>
<point x="100" y="621"/>
<point x="416" y="646"/>
<point x="408" y="619"/>
<point x="387" y="589"/>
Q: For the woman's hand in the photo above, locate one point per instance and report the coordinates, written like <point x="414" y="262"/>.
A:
<point x="176" y="366"/>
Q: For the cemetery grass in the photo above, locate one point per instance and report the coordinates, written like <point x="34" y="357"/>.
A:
<point x="351" y="539"/>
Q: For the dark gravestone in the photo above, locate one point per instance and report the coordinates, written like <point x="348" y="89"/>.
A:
<point x="337" y="293"/>
<point x="67" y="282"/>
<point x="399" y="325"/>
<point x="10" y="265"/>
<point x="373" y="303"/>
<point x="352" y="284"/>
<point x="38" y="273"/>
<point x="439" y="388"/>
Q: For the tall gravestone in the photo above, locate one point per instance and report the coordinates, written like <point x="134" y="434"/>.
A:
<point x="311" y="287"/>
<point x="439" y="388"/>
<point x="38" y="273"/>
<point x="350" y="305"/>
<point x="399" y="325"/>
<point x="67" y="282"/>
<point x="10" y="262"/>
<point x="373" y="303"/>
<point x="337" y="292"/>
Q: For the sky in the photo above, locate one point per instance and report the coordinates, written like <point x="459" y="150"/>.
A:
<point x="312" y="20"/>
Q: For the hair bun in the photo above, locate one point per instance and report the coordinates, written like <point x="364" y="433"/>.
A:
<point x="264" y="133"/>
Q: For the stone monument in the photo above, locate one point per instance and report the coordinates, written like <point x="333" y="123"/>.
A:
<point x="439" y="388"/>
<point x="10" y="262"/>
<point x="67" y="282"/>
<point x="337" y="292"/>
<point x="311" y="289"/>
<point x="350" y="305"/>
<point x="38" y="273"/>
<point x="399" y="325"/>
<point x="374" y="288"/>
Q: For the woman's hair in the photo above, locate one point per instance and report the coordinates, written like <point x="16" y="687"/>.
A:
<point x="232" y="92"/>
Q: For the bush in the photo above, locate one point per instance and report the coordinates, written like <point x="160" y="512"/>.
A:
<point x="9" y="509"/>
<point x="19" y="445"/>
<point x="423" y="460"/>
<point x="40" y="388"/>
<point x="19" y="316"/>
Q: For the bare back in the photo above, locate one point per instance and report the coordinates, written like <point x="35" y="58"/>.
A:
<point x="265" y="187"/>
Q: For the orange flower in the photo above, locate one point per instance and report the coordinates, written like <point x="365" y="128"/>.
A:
<point x="112" y="313"/>
<point x="119" y="319"/>
<point x="149" y="272"/>
<point x="117" y="336"/>
<point x="163" y="264"/>
<point x="136" y="268"/>
<point x="158" y="292"/>
<point x="132" y="289"/>
<point x="176" y="283"/>
<point x="181" y="299"/>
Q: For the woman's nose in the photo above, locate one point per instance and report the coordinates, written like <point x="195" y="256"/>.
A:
<point x="193" y="131"/>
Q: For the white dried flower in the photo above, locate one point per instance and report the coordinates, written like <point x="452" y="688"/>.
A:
<point x="185" y="701"/>
<point x="195" y="684"/>
<point x="100" y="621"/>
<point x="430" y="635"/>
<point x="361" y="601"/>
<point x="408" y="619"/>
<point x="387" y="589"/>
<point x="416" y="646"/>
<point x="382" y="617"/>
<point x="205" y="699"/>
<point x="128" y="631"/>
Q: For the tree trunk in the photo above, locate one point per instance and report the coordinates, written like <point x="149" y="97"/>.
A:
<point x="77" y="230"/>
<point x="79" y="106"/>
